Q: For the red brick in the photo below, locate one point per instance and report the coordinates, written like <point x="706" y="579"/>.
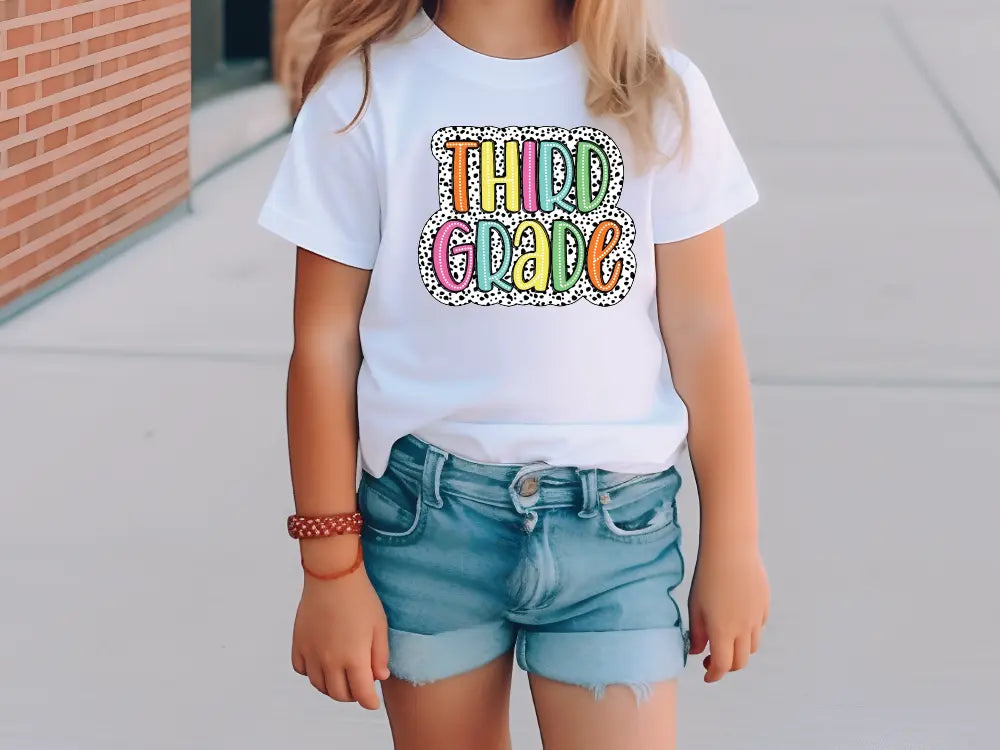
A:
<point x="8" y="69"/>
<point x="12" y="185"/>
<point x="56" y="84"/>
<point x="39" y="117"/>
<point x="22" y="210"/>
<point x="10" y="243"/>
<point x="99" y="43"/>
<point x="53" y="29"/>
<point x="57" y="139"/>
<point x="20" y="154"/>
<point x="84" y="21"/>
<point x="38" y="174"/>
<point x="69" y="52"/>
<point x="83" y="75"/>
<point x="37" y="61"/>
<point x="41" y="228"/>
<point x="9" y="128"/>
<point x="68" y="214"/>
<point x="22" y="95"/>
<point x="69" y="107"/>
<point x="85" y="128"/>
<point x="56" y="194"/>
<point x="37" y="6"/>
<point x="8" y="9"/>
<point x="20" y="36"/>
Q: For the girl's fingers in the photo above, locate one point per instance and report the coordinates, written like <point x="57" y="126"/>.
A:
<point x="362" y="687"/>
<point x="315" y="674"/>
<point x="741" y="653"/>
<point x="298" y="662"/>
<point x="380" y="653"/>
<point x="721" y="660"/>
<point x="699" y="635"/>
<point x="754" y="640"/>
<point x="336" y="685"/>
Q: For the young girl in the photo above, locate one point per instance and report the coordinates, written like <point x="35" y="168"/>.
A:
<point x="508" y="214"/>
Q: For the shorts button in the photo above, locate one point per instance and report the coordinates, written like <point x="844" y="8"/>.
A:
<point x="528" y="487"/>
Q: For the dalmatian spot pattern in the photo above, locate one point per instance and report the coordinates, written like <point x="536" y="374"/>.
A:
<point x="585" y="222"/>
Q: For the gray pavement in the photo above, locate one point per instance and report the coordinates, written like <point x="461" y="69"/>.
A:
<point x="142" y="412"/>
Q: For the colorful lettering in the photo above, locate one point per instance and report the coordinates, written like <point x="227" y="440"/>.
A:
<point x="460" y="173"/>
<point x="529" y="183"/>
<point x="540" y="280"/>
<point x="560" y="261"/>
<point x="511" y="179"/>
<point x="584" y="177"/>
<point x="556" y="234"/>
<point x="600" y="247"/>
<point x="486" y="277"/>
<point x="441" y="255"/>
<point x="548" y="199"/>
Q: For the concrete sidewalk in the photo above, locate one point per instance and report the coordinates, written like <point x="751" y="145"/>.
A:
<point x="143" y="411"/>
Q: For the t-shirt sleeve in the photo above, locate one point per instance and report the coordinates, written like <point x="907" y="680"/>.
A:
<point x="710" y="184"/>
<point x="325" y="195"/>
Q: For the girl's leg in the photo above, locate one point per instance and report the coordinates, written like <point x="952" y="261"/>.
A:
<point x="570" y="718"/>
<point x="469" y="711"/>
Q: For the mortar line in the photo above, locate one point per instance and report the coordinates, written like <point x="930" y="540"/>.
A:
<point x="951" y="109"/>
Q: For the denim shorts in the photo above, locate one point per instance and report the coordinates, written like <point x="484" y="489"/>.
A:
<point x="573" y="568"/>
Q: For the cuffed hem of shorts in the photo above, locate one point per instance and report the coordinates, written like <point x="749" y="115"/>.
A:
<point x="418" y="658"/>
<point x="636" y="658"/>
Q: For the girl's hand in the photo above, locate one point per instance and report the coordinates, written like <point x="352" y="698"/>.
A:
<point x="728" y="607"/>
<point x="340" y="640"/>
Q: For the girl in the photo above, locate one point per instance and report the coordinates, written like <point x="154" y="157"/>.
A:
<point x="508" y="213"/>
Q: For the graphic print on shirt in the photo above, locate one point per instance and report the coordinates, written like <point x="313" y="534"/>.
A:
<point x="529" y="216"/>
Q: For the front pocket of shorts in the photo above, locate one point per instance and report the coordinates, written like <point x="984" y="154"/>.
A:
<point x="643" y="511"/>
<point x="391" y="512"/>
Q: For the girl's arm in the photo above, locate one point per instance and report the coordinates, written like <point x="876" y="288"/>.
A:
<point x="322" y="388"/>
<point x="340" y="636"/>
<point x="729" y="593"/>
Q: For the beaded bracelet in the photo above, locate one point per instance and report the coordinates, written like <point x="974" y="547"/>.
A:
<point x="310" y="527"/>
<point x="313" y="527"/>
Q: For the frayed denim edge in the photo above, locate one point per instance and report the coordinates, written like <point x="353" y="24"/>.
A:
<point x="642" y="691"/>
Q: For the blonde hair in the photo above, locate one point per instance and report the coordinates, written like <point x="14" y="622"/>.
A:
<point x="629" y="77"/>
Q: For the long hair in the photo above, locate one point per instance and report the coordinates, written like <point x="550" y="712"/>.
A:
<point x="628" y="75"/>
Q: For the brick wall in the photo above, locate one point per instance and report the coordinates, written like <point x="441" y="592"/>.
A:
<point x="286" y="73"/>
<point x="94" y="112"/>
<point x="284" y="12"/>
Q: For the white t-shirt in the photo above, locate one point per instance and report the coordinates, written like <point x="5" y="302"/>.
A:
<point x="512" y="312"/>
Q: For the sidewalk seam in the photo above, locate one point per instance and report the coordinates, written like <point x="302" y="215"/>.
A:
<point x="281" y="358"/>
<point x="253" y="358"/>
<point x="923" y="68"/>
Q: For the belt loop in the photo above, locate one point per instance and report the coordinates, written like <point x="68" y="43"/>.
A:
<point x="430" y="480"/>
<point x="588" y="479"/>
